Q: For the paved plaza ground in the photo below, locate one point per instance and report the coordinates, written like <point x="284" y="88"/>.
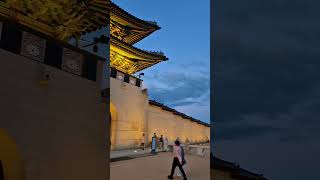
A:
<point x="131" y="152"/>
<point x="158" y="167"/>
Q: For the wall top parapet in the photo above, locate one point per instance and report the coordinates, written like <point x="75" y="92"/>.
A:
<point x="127" y="78"/>
<point x="164" y="107"/>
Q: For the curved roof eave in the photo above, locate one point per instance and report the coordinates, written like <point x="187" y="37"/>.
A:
<point x="117" y="11"/>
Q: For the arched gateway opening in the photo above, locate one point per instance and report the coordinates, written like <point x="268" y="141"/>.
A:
<point x="10" y="160"/>
<point x="113" y="126"/>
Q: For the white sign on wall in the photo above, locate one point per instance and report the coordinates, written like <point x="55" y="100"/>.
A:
<point x="120" y="76"/>
<point x="132" y="81"/>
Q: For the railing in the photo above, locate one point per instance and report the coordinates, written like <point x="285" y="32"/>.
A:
<point x="203" y="151"/>
<point x="121" y="76"/>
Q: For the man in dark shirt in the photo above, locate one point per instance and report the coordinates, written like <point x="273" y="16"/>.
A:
<point x="161" y="142"/>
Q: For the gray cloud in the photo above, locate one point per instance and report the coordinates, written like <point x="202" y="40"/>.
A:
<point x="267" y="84"/>
<point x="180" y="89"/>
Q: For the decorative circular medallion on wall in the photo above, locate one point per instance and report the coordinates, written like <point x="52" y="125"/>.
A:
<point x="72" y="61"/>
<point x="33" y="50"/>
<point x="33" y="47"/>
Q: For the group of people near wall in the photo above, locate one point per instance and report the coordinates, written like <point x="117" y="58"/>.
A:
<point x="162" y="143"/>
<point x="178" y="153"/>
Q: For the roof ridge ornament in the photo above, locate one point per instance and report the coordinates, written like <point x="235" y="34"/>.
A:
<point x="155" y="52"/>
<point x="152" y="22"/>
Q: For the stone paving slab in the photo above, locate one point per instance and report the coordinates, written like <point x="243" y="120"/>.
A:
<point x="130" y="153"/>
<point x="122" y="153"/>
<point x="158" y="167"/>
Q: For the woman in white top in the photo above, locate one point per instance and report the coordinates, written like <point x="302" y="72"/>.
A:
<point x="184" y="162"/>
<point x="177" y="161"/>
<point x="165" y="143"/>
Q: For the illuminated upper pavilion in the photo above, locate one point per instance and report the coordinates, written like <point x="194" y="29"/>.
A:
<point x="59" y="19"/>
<point x="125" y="31"/>
<point x="63" y="20"/>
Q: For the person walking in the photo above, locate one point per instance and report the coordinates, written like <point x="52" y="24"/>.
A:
<point x="165" y="143"/>
<point x="187" y="148"/>
<point x="178" y="139"/>
<point x="161" y="142"/>
<point x="143" y="141"/>
<point x="154" y="143"/>
<point x="184" y="162"/>
<point x="177" y="161"/>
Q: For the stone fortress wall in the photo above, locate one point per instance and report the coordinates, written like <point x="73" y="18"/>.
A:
<point x="169" y="125"/>
<point x="132" y="113"/>
<point x="127" y="110"/>
<point x="51" y="127"/>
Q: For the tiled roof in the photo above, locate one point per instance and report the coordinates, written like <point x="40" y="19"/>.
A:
<point x="95" y="16"/>
<point x="116" y="10"/>
<point x="149" y="55"/>
<point x="164" y="107"/>
<point x="236" y="171"/>
<point x="135" y="29"/>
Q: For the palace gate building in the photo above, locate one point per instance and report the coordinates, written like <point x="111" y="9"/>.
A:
<point x="56" y="76"/>
<point x="132" y="112"/>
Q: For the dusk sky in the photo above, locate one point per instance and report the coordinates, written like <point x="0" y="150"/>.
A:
<point x="267" y="86"/>
<point x="183" y="82"/>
